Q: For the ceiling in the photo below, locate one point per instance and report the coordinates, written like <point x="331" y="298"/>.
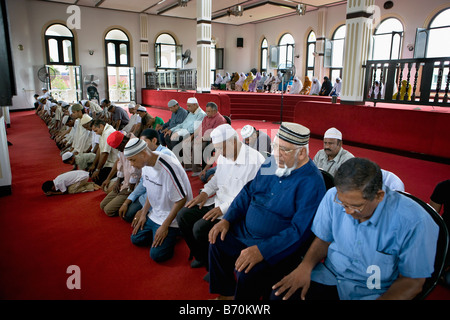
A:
<point x="255" y="11"/>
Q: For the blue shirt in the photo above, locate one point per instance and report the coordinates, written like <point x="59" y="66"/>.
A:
<point x="192" y="121"/>
<point x="276" y="213"/>
<point x="176" y="118"/>
<point x="399" y="238"/>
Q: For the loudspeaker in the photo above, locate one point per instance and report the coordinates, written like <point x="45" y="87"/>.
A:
<point x="240" y="42"/>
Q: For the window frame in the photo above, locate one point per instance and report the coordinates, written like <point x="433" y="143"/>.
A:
<point x="178" y="52"/>
<point x="263" y="62"/>
<point x="59" y="40"/>
<point x="393" y="35"/>
<point x="117" y="44"/>
<point x="308" y="43"/>
<point x="289" y="47"/>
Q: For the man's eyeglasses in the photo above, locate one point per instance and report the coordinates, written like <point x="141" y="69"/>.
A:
<point x="357" y="210"/>
<point x="282" y="150"/>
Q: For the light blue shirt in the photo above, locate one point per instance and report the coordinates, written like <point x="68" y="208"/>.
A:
<point x="364" y="259"/>
<point x="192" y="121"/>
<point x="140" y="191"/>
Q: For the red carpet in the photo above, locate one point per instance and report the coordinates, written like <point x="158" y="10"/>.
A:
<point x="40" y="237"/>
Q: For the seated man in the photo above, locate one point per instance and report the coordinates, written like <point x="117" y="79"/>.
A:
<point x="377" y="243"/>
<point x="201" y="137"/>
<point x="127" y="176"/>
<point x="168" y="189"/>
<point x="178" y="116"/>
<point x="332" y="155"/>
<point x="75" y="181"/>
<point x="267" y="227"/>
<point x="257" y="139"/>
<point x="185" y="129"/>
<point x="236" y="165"/>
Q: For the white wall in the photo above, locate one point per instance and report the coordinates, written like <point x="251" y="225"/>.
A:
<point x="28" y="19"/>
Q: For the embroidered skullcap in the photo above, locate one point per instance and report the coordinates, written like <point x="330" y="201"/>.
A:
<point x="115" y="139"/>
<point x="77" y="107"/>
<point x="192" y="100"/>
<point x="134" y="146"/>
<point x="294" y="133"/>
<point x="142" y="108"/>
<point x="222" y="133"/>
<point x="333" y="133"/>
<point x="247" y="131"/>
<point x="85" y="119"/>
<point x="67" y="155"/>
<point x="172" y="103"/>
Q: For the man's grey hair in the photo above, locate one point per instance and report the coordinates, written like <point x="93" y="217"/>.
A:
<point x="359" y="174"/>
<point x="212" y="105"/>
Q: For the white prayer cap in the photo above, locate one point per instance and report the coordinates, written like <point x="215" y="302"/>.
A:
<point x="85" y="119"/>
<point x="44" y="89"/>
<point x="333" y="133"/>
<point x="134" y="146"/>
<point x="222" y="133"/>
<point x="247" y="131"/>
<point x="192" y="100"/>
<point x="83" y="102"/>
<point x="142" y="108"/>
<point x="67" y="155"/>
<point x="131" y="105"/>
<point x="172" y="103"/>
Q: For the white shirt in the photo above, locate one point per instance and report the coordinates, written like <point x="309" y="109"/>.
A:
<point x="134" y="119"/>
<point x="105" y="147"/>
<point x="63" y="181"/>
<point x="232" y="176"/>
<point x="166" y="183"/>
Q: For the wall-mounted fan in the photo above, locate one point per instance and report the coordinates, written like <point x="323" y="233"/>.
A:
<point x="46" y="74"/>
<point x="187" y="57"/>
<point x="91" y="80"/>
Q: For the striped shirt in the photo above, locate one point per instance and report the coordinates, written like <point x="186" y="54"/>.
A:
<point x="166" y="183"/>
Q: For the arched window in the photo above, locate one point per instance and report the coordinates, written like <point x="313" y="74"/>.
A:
<point x="264" y="51"/>
<point x="438" y="35"/>
<point x="59" y="45"/>
<point x="121" y="76"/>
<point x="117" y="48"/>
<point x="387" y="40"/>
<point x="337" y="55"/>
<point x="168" y="55"/>
<point x="65" y="84"/>
<point x="286" y="46"/>
<point x="310" y="49"/>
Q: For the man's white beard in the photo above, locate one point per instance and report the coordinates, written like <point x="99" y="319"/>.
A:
<point x="285" y="172"/>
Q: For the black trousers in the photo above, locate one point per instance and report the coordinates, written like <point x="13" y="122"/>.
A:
<point x="195" y="230"/>
<point x="254" y="285"/>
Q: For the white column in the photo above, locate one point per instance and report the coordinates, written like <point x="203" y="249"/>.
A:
<point x="145" y="62"/>
<point x="204" y="46"/>
<point x="319" y="70"/>
<point x="356" y="52"/>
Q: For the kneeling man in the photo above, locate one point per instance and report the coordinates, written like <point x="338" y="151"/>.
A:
<point x="168" y="189"/>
